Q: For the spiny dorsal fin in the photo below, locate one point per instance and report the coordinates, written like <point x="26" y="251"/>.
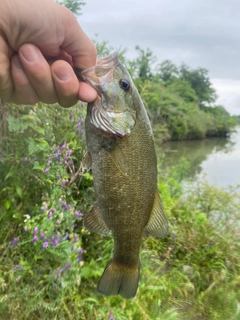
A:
<point x="94" y="222"/>
<point x="157" y="225"/>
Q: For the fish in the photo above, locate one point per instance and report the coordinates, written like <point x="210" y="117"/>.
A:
<point x="121" y="154"/>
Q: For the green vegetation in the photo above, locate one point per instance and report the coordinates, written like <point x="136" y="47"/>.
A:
<point x="50" y="264"/>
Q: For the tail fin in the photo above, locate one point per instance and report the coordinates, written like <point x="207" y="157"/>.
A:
<point x="119" y="279"/>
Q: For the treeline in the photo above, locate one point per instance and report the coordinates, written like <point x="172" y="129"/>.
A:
<point x="180" y="101"/>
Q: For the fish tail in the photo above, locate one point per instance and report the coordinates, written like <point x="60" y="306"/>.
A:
<point x="119" y="279"/>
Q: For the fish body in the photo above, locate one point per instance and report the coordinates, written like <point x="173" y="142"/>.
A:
<point x="123" y="160"/>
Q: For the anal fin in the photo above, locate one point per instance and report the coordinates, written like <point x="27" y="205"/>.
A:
<point x="94" y="222"/>
<point x="158" y="224"/>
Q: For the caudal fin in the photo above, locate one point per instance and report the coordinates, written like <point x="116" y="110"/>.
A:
<point x="119" y="279"/>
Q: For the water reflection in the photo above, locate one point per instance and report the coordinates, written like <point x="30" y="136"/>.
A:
<point x="219" y="158"/>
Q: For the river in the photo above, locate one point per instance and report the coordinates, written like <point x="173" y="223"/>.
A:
<point x="217" y="158"/>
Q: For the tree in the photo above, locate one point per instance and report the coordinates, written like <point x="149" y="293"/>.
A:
<point x="200" y="82"/>
<point x="141" y="67"/>
<point x="74" y="5"/>
<point x="167" y="71"/>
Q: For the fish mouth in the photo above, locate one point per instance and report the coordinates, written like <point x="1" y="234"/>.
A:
<point x="100" y="74"/>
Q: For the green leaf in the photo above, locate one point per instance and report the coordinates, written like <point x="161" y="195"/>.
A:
<point x="10" y="173"/>
<point x="38" y="166"/>
<point x="19" y="192"/>
<point x="7" y="204"/>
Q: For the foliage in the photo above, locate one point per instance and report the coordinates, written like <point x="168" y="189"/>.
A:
<point x="74" y="5"/>
<point x="200" y="83"/>
<point x="141" y="67"/>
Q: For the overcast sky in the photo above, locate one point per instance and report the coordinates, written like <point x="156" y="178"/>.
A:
<point x="200" y="33"/>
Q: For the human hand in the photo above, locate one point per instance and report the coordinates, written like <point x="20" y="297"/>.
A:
<point x="40" y="43"/>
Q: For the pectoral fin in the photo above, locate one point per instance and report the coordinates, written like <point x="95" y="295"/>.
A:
<point x="86" y="161"/>
<point x="157" y="225"/>
<point x="94" y="222"/>
<point x="118" y="158"/>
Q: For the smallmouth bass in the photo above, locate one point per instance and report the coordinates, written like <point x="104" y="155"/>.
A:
<point x="121" y="154"/>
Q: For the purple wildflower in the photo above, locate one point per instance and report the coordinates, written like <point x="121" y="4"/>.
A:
<point x="20" y="267"/>
<point x="59" y="273"/>
<point x="78" y="214"/>
<point x="64" y="146"/>
<point x="14" y="242"/>
<point x="58" y="177"/>
<point x="68" y="266"/>
<point x="35" y="238"/>
<point x="50" y="213"/>
<point x="25" y="228"/>
<point x="60" y="163"/>
<point x="55" y="241"/>
<point x="45" y="245"/>
<point x="46" y="171"/>
<point x="80" y="252"/>
<point x="69" y="153"/>
<point x="25" y="160"/>
<point x="66" y="236"/>
<point x="75" y="239"/>
<point x="64" y="182"/>
<point x="64" y="205"/>
<point x="42" y="235"/>
<point x="110" y="316"/>
<point x="35" y="230"/>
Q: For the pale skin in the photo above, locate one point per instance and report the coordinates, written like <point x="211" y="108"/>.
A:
<point x="40" y="43"/>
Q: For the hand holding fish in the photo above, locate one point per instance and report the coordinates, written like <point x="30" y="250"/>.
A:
<point x="40" y="42"/>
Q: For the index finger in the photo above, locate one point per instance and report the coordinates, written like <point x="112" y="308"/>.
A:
<point x="77" y="44"/>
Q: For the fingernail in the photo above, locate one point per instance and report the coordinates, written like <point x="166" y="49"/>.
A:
<point x="29" y="53"/>
<point x="62" y="73"/>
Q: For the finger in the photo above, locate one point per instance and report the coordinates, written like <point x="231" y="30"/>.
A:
<point x="38" y="72"/>
<point x="86" y="92"/>
<point x="24" y="92"/>
<point x="77" y="44"/>
<point x="66" y="83"/>
<point x="6" y="83"/>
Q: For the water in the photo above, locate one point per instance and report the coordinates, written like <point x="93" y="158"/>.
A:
<point x="218" y="158"/>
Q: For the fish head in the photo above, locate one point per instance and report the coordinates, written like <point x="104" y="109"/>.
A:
<point x="114" y="110"/>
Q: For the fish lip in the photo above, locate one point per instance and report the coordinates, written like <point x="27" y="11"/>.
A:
<point x="99" y="74"/>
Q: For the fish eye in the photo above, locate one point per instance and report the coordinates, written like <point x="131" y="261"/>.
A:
<point x="124" y="84"/>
